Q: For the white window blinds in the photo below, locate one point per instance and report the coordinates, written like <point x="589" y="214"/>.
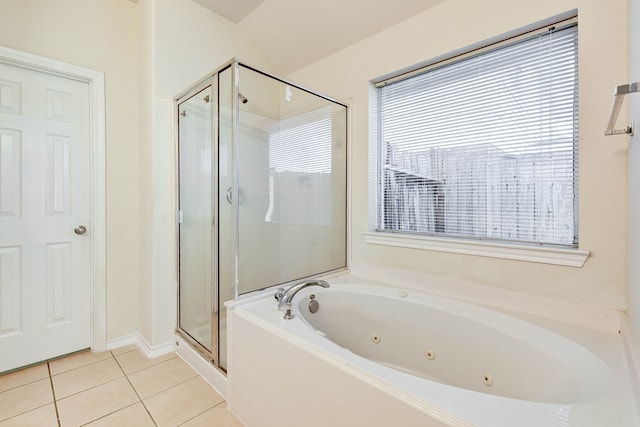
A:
<point x="485" y="147"/>
<point x="300" y="166"/>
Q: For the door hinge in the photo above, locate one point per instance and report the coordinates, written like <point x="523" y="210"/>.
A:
<point x="180" y="217"/>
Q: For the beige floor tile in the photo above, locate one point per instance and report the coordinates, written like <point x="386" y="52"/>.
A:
<point x="23" y="376"/>
<point x="96" y="402"/>
<point x="25" y="398"/>
<point x="157" y="378"/>
<point x="85" y="377"/>
<point x="134" y="415"/>
<point x="124" y="349"/>
<point x="76" y="360"/>
<point x="182" y="402"/>
<point x="218" y="416"/>
<point x="134" y="361"/>
<point x="44" y="416"/>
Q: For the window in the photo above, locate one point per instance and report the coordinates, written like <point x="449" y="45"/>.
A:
<point x="300" y="178"/>
<point x="484" y="146"/>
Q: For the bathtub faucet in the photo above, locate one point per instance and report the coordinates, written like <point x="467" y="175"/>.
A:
<point x="284" y="300"/>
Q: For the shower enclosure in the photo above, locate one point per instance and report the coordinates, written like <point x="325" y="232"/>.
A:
<point x="262" y="189"/>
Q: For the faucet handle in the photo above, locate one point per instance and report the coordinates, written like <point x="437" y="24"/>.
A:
<point x="279" y="294"/>
<point x="287" y="312"/>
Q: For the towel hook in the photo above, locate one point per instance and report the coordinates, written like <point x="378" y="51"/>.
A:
<point x="618" y="96"/>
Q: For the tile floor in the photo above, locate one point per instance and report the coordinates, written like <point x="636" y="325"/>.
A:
<point x="115" y="388"/>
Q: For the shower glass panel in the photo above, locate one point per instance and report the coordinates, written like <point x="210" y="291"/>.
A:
<point x="262" y="172"/>
<point x="291" y="162"/>
<point x="225" y="182"/>
<point x="196" y="266"/>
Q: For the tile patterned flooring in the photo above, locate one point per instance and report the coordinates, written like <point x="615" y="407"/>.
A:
<point x="115" y="388"/>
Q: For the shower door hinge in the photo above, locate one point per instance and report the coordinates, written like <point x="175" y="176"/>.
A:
<point x="180" y="217"/>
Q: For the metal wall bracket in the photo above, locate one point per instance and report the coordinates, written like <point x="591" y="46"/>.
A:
<point x="618" y="96"/>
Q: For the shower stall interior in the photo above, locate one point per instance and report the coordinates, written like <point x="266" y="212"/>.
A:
<point x="262" y="194"/>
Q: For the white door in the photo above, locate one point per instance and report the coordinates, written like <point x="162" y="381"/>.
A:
<point x="44" y="212"/>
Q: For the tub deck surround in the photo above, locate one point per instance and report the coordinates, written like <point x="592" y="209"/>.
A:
<point x="565" y="375"/>
<point x="498" y="298"/>
<point x="632" y="353"/>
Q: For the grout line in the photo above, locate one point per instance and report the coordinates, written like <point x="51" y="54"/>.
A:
<point x="150" y="366"/>
<point x="195" y="416"/>
<point x="27" y="383"/>
<point x="219" y="403"/>
<point x="53" y="392"/>
<point x="22" y="368"/>
<point x="124" y="352"/>
<point x="3" y="420"/>
<point x="91" y="388"/>
<point x="77" y="367"/>
<point x="110" y="413"/>
<point x="173" y="386"/>
<point x="136" y="392"/>
<point x="206" y="410"/>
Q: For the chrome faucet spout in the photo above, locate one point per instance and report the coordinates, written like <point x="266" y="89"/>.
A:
<point x="287" y="296"/>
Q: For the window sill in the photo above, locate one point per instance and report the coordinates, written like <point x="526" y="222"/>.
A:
<point x="539" y="254"/>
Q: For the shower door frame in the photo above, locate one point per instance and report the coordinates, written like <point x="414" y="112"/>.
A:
<point x="212" y="82"/>
<point x="213" y="79"/>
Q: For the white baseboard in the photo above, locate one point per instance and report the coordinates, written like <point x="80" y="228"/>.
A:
<point x="204" y="368"/>
<point x="632" y="354"/>
<point x="123" y="341"/>
<point x="144" y="346"/>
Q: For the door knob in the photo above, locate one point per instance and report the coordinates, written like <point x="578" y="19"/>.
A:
<point x="81" y="229"/>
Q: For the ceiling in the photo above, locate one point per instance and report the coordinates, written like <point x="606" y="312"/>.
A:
<point x="296" y="33"/>
<point x="234" y="10"/>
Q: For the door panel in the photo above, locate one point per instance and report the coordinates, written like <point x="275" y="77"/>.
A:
<point x="10" y="285"/>
<point x="197" y="267"/>
<point x="44" y="196"/>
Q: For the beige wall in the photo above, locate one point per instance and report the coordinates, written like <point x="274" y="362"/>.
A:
<point x="102" y="35"/>
<point x="191" y="41"/>
<point x="453" y="25"/>
<point x="187" y="42"/>
<point x="145" y="148"/>
<point x="633" y="298"/>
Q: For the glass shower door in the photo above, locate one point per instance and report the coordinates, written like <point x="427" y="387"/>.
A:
<point x="262" y="194"/>
<point x="197" y="295"/>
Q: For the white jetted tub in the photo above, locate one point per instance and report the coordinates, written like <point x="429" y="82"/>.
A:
<point x="456" y="363"/>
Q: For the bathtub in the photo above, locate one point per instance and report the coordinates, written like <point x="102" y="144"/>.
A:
<point x="418" y="359"/>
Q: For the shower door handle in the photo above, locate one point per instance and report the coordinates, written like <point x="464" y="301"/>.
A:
<point x="229" y="196"/>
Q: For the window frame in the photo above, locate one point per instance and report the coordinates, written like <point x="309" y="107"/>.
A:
<point x="516" y="250"/>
